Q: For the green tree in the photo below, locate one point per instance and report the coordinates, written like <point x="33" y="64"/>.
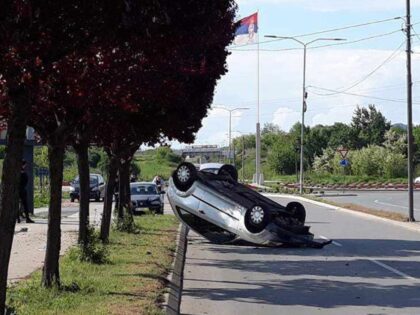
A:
<point x="282" y="156"/>
<point x="341" y="135"/>
<point x="370" y="126"/>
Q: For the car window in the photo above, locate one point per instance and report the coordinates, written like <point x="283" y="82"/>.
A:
<point x="144" y="190"/>
<point x="93" y="180"/>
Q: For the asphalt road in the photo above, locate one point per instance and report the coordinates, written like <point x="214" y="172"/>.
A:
<point x="373" y="267"/>
<point x="393" y="201"/>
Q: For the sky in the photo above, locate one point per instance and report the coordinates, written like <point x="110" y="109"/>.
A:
<point x="371" y="71"/>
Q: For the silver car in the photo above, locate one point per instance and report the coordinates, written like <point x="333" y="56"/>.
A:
<point x="222" y="210"/>
<point x="147" y="195"/>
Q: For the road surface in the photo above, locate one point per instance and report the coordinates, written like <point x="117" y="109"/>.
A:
<point x="394" y="201"/>
<point x="373" y="267"/>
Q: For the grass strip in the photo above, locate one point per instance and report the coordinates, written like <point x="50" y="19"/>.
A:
<point x="133" y="282"/>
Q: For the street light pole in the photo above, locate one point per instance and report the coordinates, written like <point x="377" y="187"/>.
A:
<point x="304" y="96"/>
<point x="230" y="125"/>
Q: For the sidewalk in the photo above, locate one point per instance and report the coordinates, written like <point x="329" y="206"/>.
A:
<point x="29" y="244"/>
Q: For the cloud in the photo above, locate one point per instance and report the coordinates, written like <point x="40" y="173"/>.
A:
<point x="340" y="5"/>
<point x="285" y="118"/>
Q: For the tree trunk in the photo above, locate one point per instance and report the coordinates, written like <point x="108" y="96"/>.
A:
<point x="51" y="273"/>
<point x="124" y="189"/>
<point x="110" y="187"/>
<point x="84" y="180"/>
<point x="9" y="204"/>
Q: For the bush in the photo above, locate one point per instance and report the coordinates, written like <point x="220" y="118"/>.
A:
<point x="378" y="161"/>
<point x="94" y="251"/>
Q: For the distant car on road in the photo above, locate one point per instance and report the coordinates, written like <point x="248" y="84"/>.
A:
<point x="215" y="205"/>
<point x="97" y="188"/>
<point x="147" y="195"/>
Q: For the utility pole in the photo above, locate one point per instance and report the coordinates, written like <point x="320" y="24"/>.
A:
<point x="409" y="117"/>
<point x="243" y="157"/>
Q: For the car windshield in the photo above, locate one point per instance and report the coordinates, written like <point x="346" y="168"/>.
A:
<point x="143" y="190"/>
<point x="93" y="181"/>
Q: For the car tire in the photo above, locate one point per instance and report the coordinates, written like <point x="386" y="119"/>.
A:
<point x="184" y="176"/>
<point x="297" y="210"/>
<point x="256" y="219"/>
<point x="230" y="170"/>
<point x="98" y="197"/>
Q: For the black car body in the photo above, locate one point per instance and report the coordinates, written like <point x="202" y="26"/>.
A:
<point x="97" y="188"/>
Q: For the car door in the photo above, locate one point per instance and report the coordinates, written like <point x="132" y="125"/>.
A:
<point x="217" y="209"/>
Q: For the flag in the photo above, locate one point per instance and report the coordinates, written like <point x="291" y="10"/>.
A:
<point x="247" y="31"/>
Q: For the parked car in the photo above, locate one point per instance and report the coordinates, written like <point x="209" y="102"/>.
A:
<point x="215" y="205"/>
<point x="146" y="195"/>
<point x="97" y="188"/>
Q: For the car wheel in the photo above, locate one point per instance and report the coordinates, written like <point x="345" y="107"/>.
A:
<point x="297" y="210"/>
<point x="230" y="170"/>
<point x="256" y="219"/>
<point x="184" y="176"/>
<point x="98" y="197"/>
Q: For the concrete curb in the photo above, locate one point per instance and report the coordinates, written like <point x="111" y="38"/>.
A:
<point x="172" y="302"/>
<point x="407" y="225"/>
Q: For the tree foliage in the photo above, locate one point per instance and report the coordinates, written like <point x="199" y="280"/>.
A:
<point x="370" y="126"/>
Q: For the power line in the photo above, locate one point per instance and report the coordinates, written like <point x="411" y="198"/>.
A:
<point x="328" y="30"/>
<point x="327" y="45"/>
<point x="415" y="33"/>
<point x="355" y="94"/>
<point x="394" y="54"/>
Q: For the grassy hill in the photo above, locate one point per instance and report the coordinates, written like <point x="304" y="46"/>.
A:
<point x="156" y="162"/>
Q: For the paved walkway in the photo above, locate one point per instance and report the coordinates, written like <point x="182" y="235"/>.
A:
<point x="29" y="244"/>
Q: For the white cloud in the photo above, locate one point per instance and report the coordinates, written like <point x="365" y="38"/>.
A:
<point x="285" y="118"/>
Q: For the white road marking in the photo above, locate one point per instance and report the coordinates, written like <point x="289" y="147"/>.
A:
<point x="389" y="268"/>
<point x="392" y="205"/>
<point x="334" y="242"/>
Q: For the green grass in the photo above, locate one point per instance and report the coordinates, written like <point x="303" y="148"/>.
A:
<point x="150" y="166"/>
<point x="132" y="283"/>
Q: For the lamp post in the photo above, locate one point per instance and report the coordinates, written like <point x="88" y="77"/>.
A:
<point x="304" y="94"/>
<point x="230" y="110"/>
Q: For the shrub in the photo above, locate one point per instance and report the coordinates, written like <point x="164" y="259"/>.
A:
<point x="94" y="251"/>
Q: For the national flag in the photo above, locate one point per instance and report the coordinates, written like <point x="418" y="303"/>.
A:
<point x="247" y="31"/>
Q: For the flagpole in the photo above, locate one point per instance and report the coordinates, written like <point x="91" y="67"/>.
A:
<point x="258" y="127"/>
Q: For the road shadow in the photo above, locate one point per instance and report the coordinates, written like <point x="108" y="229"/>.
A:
<point x="360" y="247"/>
<point x="312" y="293"/>
<point x="326" y="278"/>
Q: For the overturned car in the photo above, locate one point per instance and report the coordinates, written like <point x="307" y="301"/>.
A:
<point x="215" y="205"/>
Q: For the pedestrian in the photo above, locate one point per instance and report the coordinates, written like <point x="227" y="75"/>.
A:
<point x="158" y="181"/>
<point x="23" y="193"/>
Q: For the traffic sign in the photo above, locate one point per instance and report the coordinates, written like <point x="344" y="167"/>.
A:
<point x="344" y="163"/>
<point x="343" y="152"/>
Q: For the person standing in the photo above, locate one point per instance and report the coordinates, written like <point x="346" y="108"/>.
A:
<point x="23" y="193"/>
